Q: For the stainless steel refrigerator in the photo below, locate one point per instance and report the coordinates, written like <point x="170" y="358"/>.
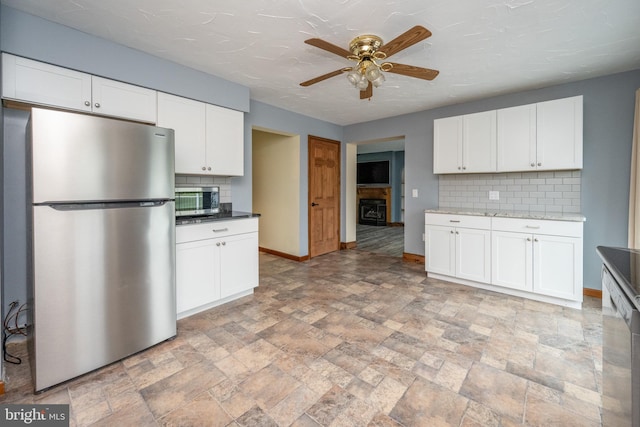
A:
<point x="102" y="276"/>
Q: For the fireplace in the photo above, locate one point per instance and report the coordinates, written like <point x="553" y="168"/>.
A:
<point x="373" y="212"/>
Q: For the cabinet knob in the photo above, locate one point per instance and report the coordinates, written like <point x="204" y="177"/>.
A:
<point x="218" y="244"/>
<point x="533" y="165"/>
<point x="459" y="168"/>
<point x="224" y="243"/>
<point x="87" y="103"/>
<point x="204" y="168"/>
<point x="451" y="232"/>
<point x="457" y="232"/>
<point x="97" y="105"/>
<point x="539" y="164"/>
<point x="209" y="168"/>
<point x="528" y="239"/>
<point x="464" y="168"/>
<point x="535" y="240"/>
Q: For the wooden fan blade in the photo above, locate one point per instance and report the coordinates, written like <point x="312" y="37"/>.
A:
<point x="367" y="93"/>
<point x="319" y="43"/>
<point x="404" y="40"/>
<point x="322" y="77"/>
<point x="412" y="71"/>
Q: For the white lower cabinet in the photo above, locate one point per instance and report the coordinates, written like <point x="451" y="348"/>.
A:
<point x="216" y="262"/>
<point x="453" y="248"/>
<point x="538" y="259"/>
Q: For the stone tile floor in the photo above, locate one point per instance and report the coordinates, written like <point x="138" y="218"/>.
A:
<point x="351" y="339"/>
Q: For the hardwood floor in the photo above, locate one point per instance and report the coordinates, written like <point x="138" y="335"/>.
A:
<point x="380" y="240"/>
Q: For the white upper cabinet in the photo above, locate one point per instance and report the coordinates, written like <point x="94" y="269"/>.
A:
<point x="113" y="98"/>
<point x="559" y="135"/>
<point x="40" y="83"/>
<point x="188" y="119"/>
<point x="44" y="84"/>
<point x="516" y="145"/>
<point x="447" y="145"/>
<point x="225" y="141"/>
<point x="465" y="144"/>
<point x="542" y="136"/>
<point x="209" y="139"/>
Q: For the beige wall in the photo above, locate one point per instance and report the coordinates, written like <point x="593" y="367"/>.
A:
<point x="276" y="190"/>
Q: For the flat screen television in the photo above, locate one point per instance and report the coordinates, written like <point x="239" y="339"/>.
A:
<point x="373" y="172"/>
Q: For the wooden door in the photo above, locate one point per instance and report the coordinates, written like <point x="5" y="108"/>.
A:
<point x="324" y="196"/>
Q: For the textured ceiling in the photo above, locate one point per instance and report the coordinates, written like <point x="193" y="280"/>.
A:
<point x="481" y="47"/>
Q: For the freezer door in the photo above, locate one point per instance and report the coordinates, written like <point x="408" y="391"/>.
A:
<point x="78" y="157"/>
<point x="103" y="286"/>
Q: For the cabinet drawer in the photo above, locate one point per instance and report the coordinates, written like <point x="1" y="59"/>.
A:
<point x="215" y="229"/>
<point x="462" y="221"/>
<point x="538" y="226"/>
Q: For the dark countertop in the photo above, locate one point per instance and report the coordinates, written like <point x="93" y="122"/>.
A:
<point x="624" y="265"/>
<point x="222" y="216"/>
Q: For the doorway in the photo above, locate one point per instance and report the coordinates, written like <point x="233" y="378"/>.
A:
<point x="375" y="188"/>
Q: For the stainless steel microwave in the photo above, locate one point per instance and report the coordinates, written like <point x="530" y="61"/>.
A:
<point x="197" y="201"/>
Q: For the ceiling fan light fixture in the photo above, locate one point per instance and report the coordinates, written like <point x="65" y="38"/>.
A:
<point x="372" y="72"/>
<point x="363" y="84"/>
<point x="354" y="77"/>
<point x="377" y="82"/>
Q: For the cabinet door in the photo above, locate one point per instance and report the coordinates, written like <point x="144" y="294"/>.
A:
<point x="559" y="134"/>
<point x="187" y="118"/>
<point x="447" y="145"/>
<point x="511" y="260"/>
<point x="516" y="140"/>
<point x="40" y="83"/>
<point x="557" y="266"/>
<point x="225" y="141"/>
<point x="238" y="263"/>
<point x="119" y="99"/>
<point x="440" y="250"/>
<point x="479" y="142"/>
<point x="196" y="275"/>
<point x="473" y="254"/>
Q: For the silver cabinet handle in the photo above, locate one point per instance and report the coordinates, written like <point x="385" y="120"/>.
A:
<point x="87" y="103"/>
<point x="454" y="220"/>
<point x="220" y="230"/>
<point x="97" y="105"/>
<point x="535" y="227"/>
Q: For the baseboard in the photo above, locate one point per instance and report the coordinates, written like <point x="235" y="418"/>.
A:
<point x="395" y="224"/>
<point x="284" y="255"/>
<point x="596" y="293"/>
<point x="348" y="245"/>
<point x="1" y="388"/>
<point x="418" y="259"/>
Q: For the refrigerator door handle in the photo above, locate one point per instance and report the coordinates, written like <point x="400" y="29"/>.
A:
<point x="102" y="205"/>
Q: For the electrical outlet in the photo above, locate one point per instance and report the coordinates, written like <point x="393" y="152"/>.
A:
<point x="423" y="237"/>
<point x="494" y="195"/>
<point x="414" y="193"/>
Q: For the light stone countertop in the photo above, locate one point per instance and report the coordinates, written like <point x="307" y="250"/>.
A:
<point x="559" y="216"/>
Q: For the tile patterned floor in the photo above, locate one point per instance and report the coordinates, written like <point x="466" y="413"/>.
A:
<point x="351" y="339"/>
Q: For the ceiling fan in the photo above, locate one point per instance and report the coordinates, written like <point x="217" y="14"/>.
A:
<point x="367" y="51"/>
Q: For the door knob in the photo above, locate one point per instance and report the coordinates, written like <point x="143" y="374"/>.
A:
<point x="314" y="204"/>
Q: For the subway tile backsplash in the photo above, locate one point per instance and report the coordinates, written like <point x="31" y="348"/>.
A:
<point x="536" y="192"/>
<point x="224" y="182"/>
